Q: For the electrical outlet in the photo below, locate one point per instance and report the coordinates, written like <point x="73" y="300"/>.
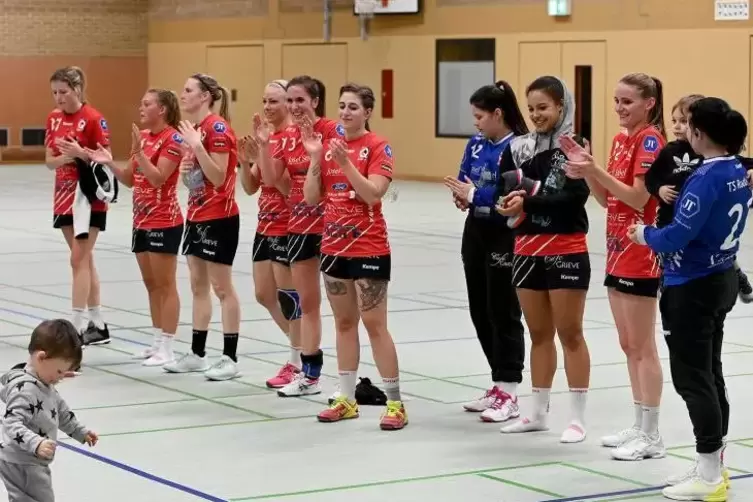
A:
<point x="732" y="11"/>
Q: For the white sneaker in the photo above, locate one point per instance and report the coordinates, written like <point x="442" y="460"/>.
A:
<point x="300" y="386"/>
<point x="693" y="471"/>
<point x="504" y="408"/>
<point x="162" y="356"/>
<point x="189" y="363"/>
<point x="224" y="369"/>
<point x="696" y="488"/>
<point x="483" y="403"/>
<point x="615" y="440"/>
<point x="640" y="448"/>
<point x="148" y="352"/>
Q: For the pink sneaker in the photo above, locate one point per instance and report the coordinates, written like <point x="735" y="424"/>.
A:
<point x="286" y="375"/>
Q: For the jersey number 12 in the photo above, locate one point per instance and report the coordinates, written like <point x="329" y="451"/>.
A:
<point x="734" y="237"/>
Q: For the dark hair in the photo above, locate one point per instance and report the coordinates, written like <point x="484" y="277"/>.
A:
<point x="314" y="88"/>
<point x="59" y="339"/>
<point x="74" y="77"/>
<point x="209" y="84"/>
<point x="364" y="93"/>
<point x="169" y="100"/>
<point x="717" y="120"/>
<point x="649" y="87"/>
<point x="500" y="96"/>
<point x="551" y="86"/>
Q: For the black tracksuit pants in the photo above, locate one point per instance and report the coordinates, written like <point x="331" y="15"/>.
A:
<point x="487" y="251"/>
<point x="694" y="315"/>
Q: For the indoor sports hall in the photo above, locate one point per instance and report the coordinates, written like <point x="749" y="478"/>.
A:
<point x="180" y="438"/>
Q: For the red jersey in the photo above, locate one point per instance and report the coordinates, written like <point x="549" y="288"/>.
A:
<point x="304" y="219"/>
<point x="155" y="208"/>
<point x="631" y="156"/>
<point x="352" y="228"/>
<point x="274" y="213"/>
<point x="87" y="127"/>
<point x="206" y="201"/>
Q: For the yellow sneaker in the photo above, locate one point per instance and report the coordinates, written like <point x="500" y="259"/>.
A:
<point x="395" y="418"/>
<point x="340" y="409"/>
<point x="695" y="488"/>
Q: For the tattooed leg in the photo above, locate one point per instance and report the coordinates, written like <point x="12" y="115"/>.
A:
<point x="342" y="300"/>
<point x="372" y="302"/>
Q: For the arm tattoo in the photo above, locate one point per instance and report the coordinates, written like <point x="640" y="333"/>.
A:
<point x="335" y="287"/>
<point x="371" y="293"/>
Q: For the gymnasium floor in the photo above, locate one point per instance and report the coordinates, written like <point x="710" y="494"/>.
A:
<point x="171" y="438"/>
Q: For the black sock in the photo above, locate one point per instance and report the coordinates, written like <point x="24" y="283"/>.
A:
<point x="199" y="342"/>
<point x="230" y="346"/>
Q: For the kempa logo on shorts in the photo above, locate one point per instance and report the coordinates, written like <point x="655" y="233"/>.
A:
<point x="629" y="284"/>
<point x="569" y="277"/>
<point x="367" y="266"/>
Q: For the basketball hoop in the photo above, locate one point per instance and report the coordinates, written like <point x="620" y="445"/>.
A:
<point x="366" y="8"/>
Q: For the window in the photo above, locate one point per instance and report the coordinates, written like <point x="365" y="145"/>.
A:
<point x="583" y="81"/>
<point x="462" y="66"/>
<point x="32" y="136"/>
<point x="4" y="137"/>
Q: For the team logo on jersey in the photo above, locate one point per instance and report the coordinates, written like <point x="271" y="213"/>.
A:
<point x="651" y="144"/>
<point x="178" y="138"/>
<point x="103" y="124"/>
<point x="81" y="124"/>
<point x="219" y="127"/>
<point x="339" y="187"/>
<point x="388" y="151"/>
<point x="690" y="205"/>
<point x="340" y="130"/>
<point x="363" y="154"/>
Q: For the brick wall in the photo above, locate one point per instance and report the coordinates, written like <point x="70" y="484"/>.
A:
<point x="217" y="9"/>
<point x="73" y="27"/>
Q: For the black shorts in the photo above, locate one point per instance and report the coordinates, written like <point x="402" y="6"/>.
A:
<point x="302" y="247"/>
<point x="98" y="220"/>
<point x="547" y="273"/>
<point x="158" y="240"/>
<point x="371" y="267"/>
<point x="271" y="247"/>
<point x="215" y="241"/>
<point x="637" y="287"/>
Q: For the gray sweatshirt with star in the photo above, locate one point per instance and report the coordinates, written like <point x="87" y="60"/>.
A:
<point x="34" y="411"/>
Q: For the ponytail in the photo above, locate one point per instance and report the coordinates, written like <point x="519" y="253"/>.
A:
<point x="656" y="117"/>
<point x="321" y="109"/>
<point x="735" y="130"/>
<point x="225" y="104"/>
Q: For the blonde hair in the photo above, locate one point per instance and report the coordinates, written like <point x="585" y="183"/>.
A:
<point x="209" y="84"/>
<point x="649" y="87"/>
<point x="683" y="104"/>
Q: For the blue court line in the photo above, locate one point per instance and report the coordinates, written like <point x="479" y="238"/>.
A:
<point x="632" y="491"/>
<point x="143" y="474"/>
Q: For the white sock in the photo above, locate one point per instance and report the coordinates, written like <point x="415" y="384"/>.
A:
<point x="710" y="466"/>
<point x="510" y="388"/>
<point x="295" y="357"/>
<point x="166" y="342"/>
<point x="392" y="388"/>
<point x="348" y="384"/>
<point x="95" y="316"/>
<point x="578" y="398"/>
<point x="638" y="409"/>
<point x="541" y="403"/>
<point x="157" y="335"/>
<point x="79" y="321"/>
<point x="650" y="420"/>
<point x="724" y="448"/>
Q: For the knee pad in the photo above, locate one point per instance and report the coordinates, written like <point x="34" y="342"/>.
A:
<point x="290" y="303"/>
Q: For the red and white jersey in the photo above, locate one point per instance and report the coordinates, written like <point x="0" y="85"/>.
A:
<point x="352" y="228"/>
<point x="304" y="219"/>
<point x="206" y="201"/>
<point x="153" y="207"/>
<point x="631" y="156"/>
<point x="274" y="213"/>
<point x="88" y="127"/>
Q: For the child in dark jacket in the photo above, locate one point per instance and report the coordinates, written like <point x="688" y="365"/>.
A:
<point x="674" y="165"/>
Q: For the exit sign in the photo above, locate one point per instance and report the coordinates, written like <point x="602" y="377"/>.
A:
<point x="560" y="7"/>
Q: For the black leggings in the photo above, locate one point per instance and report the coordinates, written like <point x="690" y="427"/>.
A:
<point x="694" y="314"/>
<point x="487" y="252"/>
